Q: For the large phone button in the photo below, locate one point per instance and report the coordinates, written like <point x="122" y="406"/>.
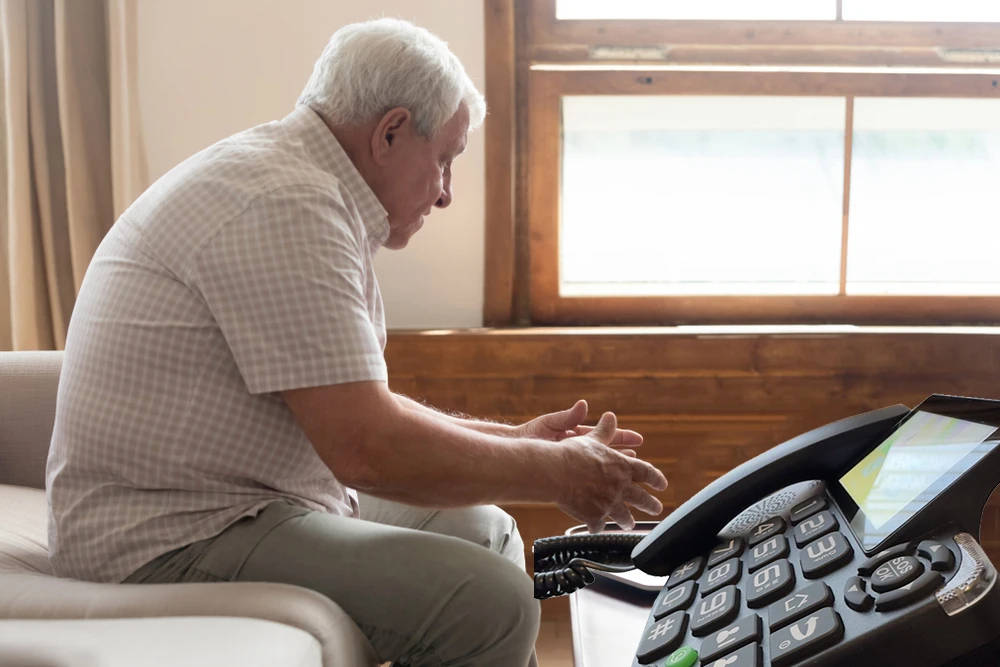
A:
<point x="766" y="551"/>
<point x="672" y="599"/>
<point x="726" y="550"/>
<point x="814" y="527"/>
<point x="897" y="572"/>
<point x="731" y="637"/>
<point x="825" y="555"/>
<point x="940" y="556"/>
<point x="807" y="508"/>
<point x="766" y="529"/>
<point x="870" y="565"/>
<point x="748" y="656"/>
<point x="686" y="572"/>
<point x="715" y="611"/>
<point x="770" y="584"/>
<point x="798" y="604"/>
<point x="810" y="635"/>
<point x="926" y="583"/>
<point x="661" y="637"/>
<point x="721" y="575"/>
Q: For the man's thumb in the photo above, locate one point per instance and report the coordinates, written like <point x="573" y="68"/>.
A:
<point x="606" y="428"/>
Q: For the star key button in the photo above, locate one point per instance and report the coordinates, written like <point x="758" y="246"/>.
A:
<point x="661" y="637"/>
<point x="686" y="572"/>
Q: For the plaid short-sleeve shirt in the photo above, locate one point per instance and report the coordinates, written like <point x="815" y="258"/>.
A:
<point x="244" y="271"/>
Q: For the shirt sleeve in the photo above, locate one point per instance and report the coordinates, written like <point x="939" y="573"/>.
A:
<point x="286" y="283"/>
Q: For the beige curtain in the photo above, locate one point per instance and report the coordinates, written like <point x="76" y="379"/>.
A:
<point x="67" y="168"/>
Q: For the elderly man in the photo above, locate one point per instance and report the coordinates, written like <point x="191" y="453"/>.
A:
<point x="224" y="391"/>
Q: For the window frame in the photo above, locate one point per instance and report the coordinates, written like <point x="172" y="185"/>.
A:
<point x="550" y="58"/>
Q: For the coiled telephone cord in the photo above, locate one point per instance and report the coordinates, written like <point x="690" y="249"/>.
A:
<point x="563" y="562"/>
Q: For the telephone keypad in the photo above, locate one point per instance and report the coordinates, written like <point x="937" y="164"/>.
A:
<point x="897" y="572"/>
<point x="724" y="574"/>
<point x="815" y="526"/>
<point x="748" y="656"/>
<point x="672" y="599"/>
<point x="911" y="592"/>
<point x="805" y="637"/>
<point x="715" y="611"/>
<point x="807" y="600"/>
<point x="825" y="555"/>
<point x="938" y="554"/>
<point x="731" y="549"/>
<point x="731" y="637"/>
<point x="661" y="637"/>
<point x="807" y="508"/>
<point x="855" y="595"/>
<point x="765" y="529"/>
<point x="769" y="584"/>
<point x="767" y="551"/>
<point x="870" y="565"/>
<point x="686" y="572"/>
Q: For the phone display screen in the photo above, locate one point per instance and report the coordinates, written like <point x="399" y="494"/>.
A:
<point x="924" y="456"/>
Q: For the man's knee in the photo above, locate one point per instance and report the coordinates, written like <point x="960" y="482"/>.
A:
<point x="485" y="525"/>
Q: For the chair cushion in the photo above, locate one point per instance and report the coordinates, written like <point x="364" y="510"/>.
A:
<point x="23" y="530"/>
<point x="157" y="642"/>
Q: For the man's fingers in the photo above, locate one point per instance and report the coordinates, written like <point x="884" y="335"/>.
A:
<point x="628" y="452"/>
<point x="623" y="438"/>
<point x="596" y="526"/>
<point x="644" y="473"/>
<point x="606" y="427"/>
<point x="643" y="501"/>
<point x="622" y="517"/>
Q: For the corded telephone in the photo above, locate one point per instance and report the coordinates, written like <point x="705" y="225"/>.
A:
<point x="863" y="551"/>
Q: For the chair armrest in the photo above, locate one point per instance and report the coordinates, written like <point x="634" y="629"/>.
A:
<point x="34" y="596"/>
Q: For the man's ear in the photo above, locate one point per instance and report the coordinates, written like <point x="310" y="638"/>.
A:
<point x="394" y="123"/>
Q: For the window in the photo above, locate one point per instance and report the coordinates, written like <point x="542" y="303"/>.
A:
<point x="791" y="161"/>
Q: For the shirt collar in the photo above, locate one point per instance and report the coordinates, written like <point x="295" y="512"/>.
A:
<point x="327" y="153"/>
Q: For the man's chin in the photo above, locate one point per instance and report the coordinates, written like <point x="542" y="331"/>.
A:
<point x="398" y="239"/>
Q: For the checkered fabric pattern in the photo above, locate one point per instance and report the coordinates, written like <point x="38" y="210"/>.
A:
<point x="244" y="271"/>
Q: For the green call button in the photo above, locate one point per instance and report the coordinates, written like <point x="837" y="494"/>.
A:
<point x="685" y="656"/>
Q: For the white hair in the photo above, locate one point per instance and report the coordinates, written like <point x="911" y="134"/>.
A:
<point x="369" y="68"/>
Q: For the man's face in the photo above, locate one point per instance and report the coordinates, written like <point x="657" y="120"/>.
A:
<point x="416" y="172"/>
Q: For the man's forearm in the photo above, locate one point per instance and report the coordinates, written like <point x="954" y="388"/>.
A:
<point x="482" y="426"/>
<point x="416" y="457"/>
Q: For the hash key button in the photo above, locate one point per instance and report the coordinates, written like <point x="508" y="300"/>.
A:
<point x="814" y="527"/>
<point x="810" y="635"/>
<point x="661" y="637"/>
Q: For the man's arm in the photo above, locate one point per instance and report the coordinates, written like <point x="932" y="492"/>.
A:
<point x="372" y="443"/>
<point x="482" y="426"/>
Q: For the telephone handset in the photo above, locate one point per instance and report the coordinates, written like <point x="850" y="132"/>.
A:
<point x="866" y="550"/>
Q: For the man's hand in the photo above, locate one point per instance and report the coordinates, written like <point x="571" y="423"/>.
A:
<point x="567" y="424"/>
<point x="601" y="482"/>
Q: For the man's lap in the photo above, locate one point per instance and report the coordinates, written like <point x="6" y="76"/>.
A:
<point x="414" y="580"/>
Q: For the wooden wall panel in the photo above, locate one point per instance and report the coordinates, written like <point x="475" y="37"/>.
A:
<point x="704" y="402"/>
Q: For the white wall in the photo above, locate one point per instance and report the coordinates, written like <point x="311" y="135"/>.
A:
<point x="210" y="68"/>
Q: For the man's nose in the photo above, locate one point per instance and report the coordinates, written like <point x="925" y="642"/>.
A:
<point x="445" y="200"/>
